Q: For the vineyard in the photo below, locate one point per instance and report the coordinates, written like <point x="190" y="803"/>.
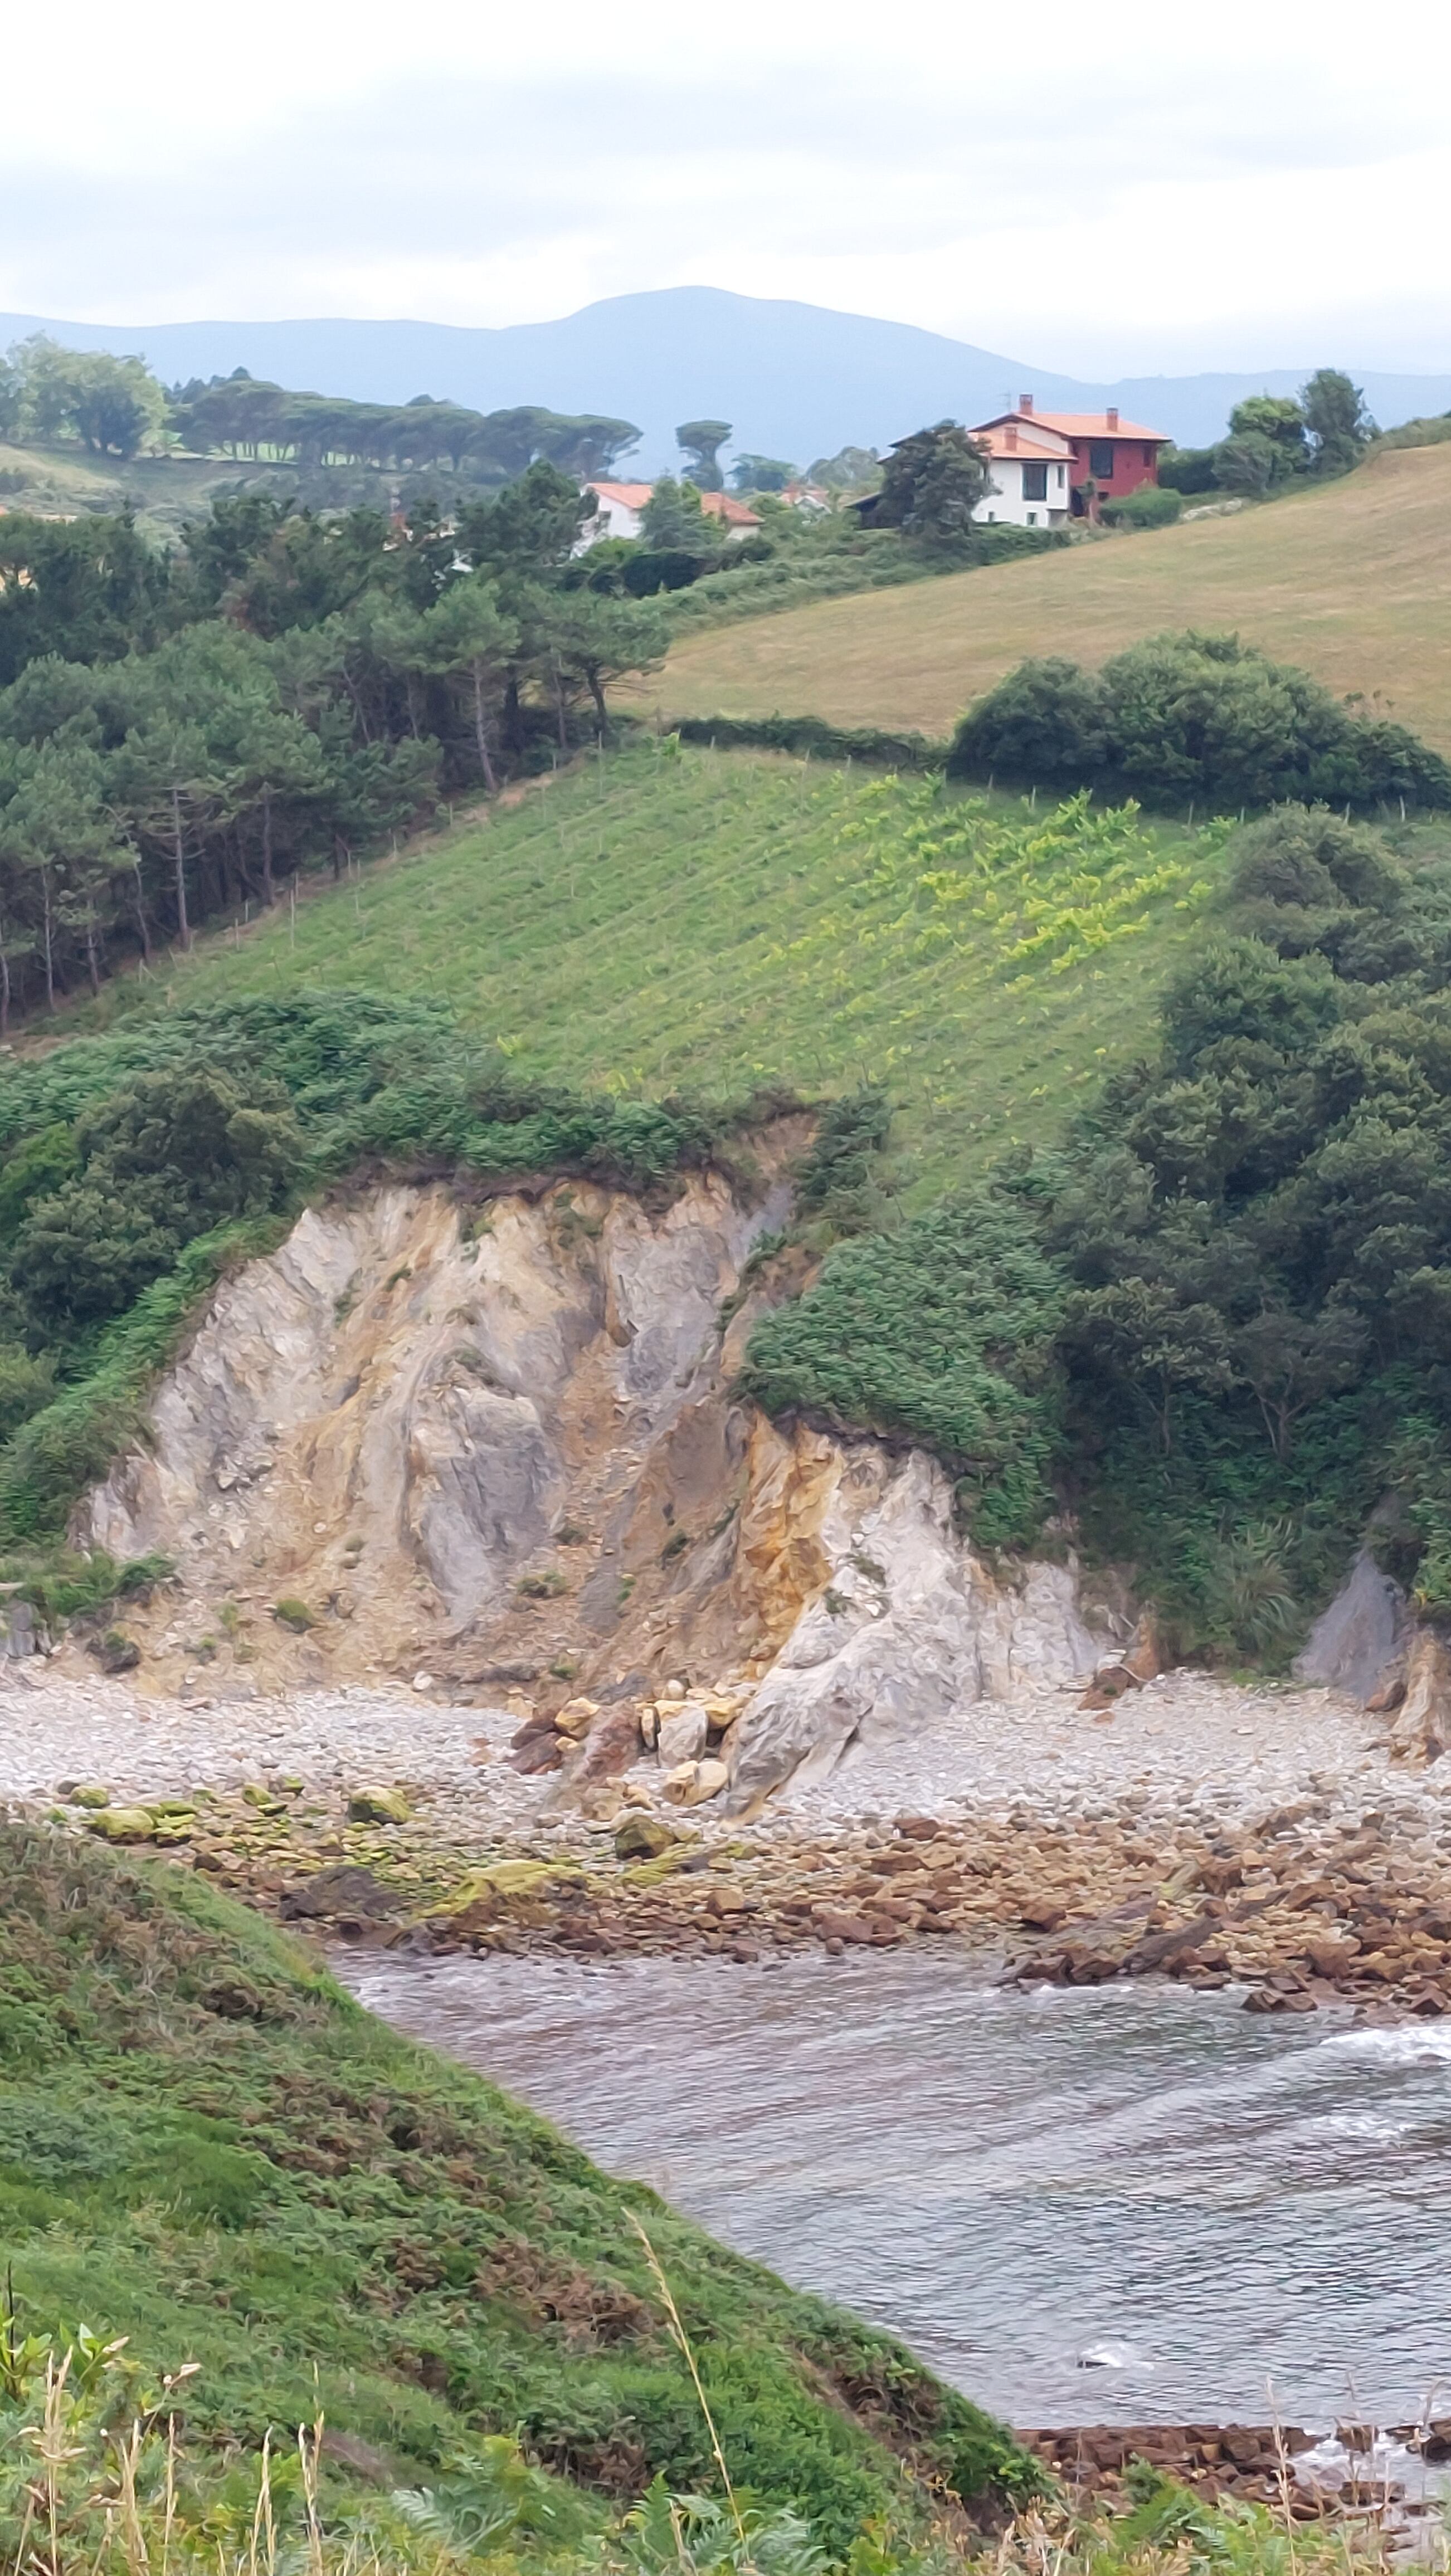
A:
<point x="711" y="920"/>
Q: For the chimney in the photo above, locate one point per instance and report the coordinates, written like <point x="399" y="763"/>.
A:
<point x="1025" y="402"/>
<point x="1113" y="415"/>
<point x="1010" y="434"/>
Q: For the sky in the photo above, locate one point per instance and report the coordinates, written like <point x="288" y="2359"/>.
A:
<point x="1103" y="190"/>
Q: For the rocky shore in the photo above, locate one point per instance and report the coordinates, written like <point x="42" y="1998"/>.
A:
<point x="1390" y="2477"/>
<point x="1339" y="1893"/>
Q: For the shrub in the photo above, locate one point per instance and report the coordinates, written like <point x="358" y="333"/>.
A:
<point x="943" y="1332"/>
<point x="1192" y="719"/>
<point x="1154" y="505"/>
<point x="1187" y="469"/>
<point x="1045" y="724"/>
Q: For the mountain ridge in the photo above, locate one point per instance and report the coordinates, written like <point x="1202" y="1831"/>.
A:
<point x="797" y="380"/>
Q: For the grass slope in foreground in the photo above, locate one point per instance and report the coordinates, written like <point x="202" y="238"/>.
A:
<point x="672" y="917"/>
<point x="207" y="2147"/>
<point x="1352" y="581"/>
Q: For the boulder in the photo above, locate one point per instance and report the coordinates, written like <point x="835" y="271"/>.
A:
<point x="1421" y="1729"/>
<point x="348" y="1889"/>
<point x="123" y="1824"/>
<point x="612" y="1744"/>
<point x="576" y="1717"/>
<point x="17" y="1633"/>
<point x="710" y="1778"/>
<point x="643" y="1838"/>
<point x="1359" y="1636"/>
<point x="683" y="1736"/>
<point x="679" y="1782"/>
<point x="377" y="1806"/>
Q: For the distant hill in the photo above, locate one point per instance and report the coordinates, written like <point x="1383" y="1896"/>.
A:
<point x="796" y="380"/>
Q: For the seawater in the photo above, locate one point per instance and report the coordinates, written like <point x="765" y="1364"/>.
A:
<point x="1127" y="2204"/>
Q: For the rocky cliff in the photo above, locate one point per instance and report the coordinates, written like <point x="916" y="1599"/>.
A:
<point x="499" y="1455"/>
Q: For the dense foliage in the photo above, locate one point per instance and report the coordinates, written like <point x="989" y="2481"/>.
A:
<point x="1219" y="1320"/>
<point x="1185" y="720"/>
<point x="943" y="1333"/>
<point x="132" y="1168"/>
<point x="1274" y="440"/>
<point x="251" y="2175"/>
<point x="178" y="738"/>
<point x="931" y="483"/>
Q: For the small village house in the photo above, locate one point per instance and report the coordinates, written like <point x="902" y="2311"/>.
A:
<point x="618" y="511"/>
<point x="1051" y="466"/>
<point x="620" y="508"/>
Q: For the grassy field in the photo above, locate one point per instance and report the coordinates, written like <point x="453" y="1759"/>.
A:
<point x="712" y="920"/>
<point x="1352" y="581"/>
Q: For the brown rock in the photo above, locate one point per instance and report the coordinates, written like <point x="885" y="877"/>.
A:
<point x="1040" y="1914"/>
<point x="610" y="1746"/>
<point x="643" y="1838"/>
<point x="1422" y="1728"/>
<point x="833" y="1924"/>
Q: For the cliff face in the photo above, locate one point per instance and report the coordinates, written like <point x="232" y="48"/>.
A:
<point x="504" y="1452"/>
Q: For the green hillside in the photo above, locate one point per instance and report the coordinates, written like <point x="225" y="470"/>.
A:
<point x="209" y="2149"/>
<point x="1347" y="579"/>
<point x="672" y="917"/>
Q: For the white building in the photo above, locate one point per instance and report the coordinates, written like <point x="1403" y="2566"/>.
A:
<point x="1031" y="467"/>
<point x="618" y="508"/>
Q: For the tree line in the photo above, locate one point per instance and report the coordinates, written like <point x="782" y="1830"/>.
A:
<point x="1276" y="439"/>
<point x="178" y="736"/>
<point x="115" y="407"/>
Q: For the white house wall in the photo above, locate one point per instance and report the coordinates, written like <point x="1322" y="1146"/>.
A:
<point x="1003" y="505"/>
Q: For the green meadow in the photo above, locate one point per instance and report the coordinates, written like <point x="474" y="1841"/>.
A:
<point x="667" y="918"/>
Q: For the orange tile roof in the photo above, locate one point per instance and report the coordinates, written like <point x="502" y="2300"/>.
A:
<point x="993" y="442"/>
<point x="631" y="496"/>
<point x="1094" y="424"/>
<point x="720" y="505"/>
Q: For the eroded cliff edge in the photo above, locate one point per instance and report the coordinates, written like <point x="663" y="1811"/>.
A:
<point x="501" y="1448"/>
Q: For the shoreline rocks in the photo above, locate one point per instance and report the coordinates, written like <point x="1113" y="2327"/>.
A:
<point x="1304" y="1907"/>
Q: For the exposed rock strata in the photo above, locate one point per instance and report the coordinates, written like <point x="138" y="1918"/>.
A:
<point x="507" y="1458"/>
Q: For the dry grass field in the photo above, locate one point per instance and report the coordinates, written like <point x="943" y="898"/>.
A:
<point x="1351" y="580"/>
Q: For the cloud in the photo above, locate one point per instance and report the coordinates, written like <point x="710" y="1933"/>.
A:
<point x="1099" y="206"/>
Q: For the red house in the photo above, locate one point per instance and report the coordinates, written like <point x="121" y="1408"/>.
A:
<point x="1109" y="455"/>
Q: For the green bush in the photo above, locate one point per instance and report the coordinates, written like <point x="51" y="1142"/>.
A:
<point x="1192" y="720"/>
<point x="944" y="1334"/>
<point x="1154" y="505"/>
<point x="813" y="738"/>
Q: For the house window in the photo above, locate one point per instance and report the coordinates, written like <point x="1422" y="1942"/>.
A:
<point x="1100" y="462"/>
<point x="1058" y="470"/>
<point x="1032" y="518"/>
<point x="1035" y="482"/>
<point x="1150" y="454"/>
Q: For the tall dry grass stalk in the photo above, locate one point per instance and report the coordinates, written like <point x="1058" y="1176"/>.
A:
<point x="682" y="2341"/>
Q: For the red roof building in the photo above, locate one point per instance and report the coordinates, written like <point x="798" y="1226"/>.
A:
<point x="1104" y="457"/>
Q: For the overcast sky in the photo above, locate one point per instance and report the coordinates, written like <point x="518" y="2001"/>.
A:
<point x="1105" y="189"/>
